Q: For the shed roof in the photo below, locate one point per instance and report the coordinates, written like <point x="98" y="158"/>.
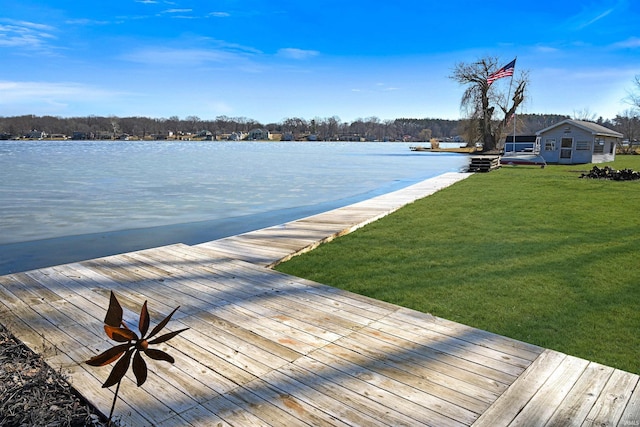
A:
<point x="593" y="128"/>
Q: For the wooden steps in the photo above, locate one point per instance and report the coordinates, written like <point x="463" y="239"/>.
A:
<point x="484" y="163"/>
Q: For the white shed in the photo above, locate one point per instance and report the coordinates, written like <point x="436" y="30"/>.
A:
<point x="576" y="141"/>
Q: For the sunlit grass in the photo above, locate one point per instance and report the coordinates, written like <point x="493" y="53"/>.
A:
<point x="534" y="254"/>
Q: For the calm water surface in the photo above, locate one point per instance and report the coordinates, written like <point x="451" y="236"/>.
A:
<point x="71" y="196"/>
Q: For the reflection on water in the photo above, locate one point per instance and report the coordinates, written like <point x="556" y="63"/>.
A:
<point x="56" y="189"/>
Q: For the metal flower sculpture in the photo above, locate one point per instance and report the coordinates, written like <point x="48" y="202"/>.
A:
<point x="133" y="345"/>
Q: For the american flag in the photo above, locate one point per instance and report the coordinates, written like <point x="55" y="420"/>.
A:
<point x="505" y="71"/>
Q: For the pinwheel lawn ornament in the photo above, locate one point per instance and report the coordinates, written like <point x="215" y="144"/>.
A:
<point x="133" y="345"/>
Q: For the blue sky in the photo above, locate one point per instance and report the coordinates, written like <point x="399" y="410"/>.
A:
<point x="269" y="60"/>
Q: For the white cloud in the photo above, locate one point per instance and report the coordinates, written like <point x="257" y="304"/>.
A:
<point x="168" y="56"/>
<point x="377" y="88"/>
<point x="32" y="25"/>
<point x="12" y="91"/>
<point x="220" y="14"/>
<point x="384" y="88"/>
<point x="631" y="42"/>
<point x="85" y="22"/>
<point x="29" y="35"/>
<point x="204" y="51"/>
<point x="294" y="53"/>
<point x="546" y="49"/>
<point x="591" y="14"/>
<point x="178" y="11"/>
<point x="50" y="98"/>
<point x="590" y="21"/>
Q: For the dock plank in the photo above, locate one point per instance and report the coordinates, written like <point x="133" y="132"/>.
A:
<point x="449" y="389"/>
<point x="425" y="367"/>
<point x="355" y="393"/>
<point x="631" y="414"/>
<point x="517" y="396"/>
<point x="487" y="339"/>
<point x="614" y="399"/>
<point x="425" y="408"/>
<point x="574" y="410"/>
<point x="548" y="397"/>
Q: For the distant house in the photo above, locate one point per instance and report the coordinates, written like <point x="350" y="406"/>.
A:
<point x="235" y="136"/>
<point x="352" y="137"/>
<point x="77" y="135"/>
<point x="36" y="134"/>
<point x="104" y="135"/>
<point x="259" y="135"/>
<point x="576" y="141"/>
<point x="205" y="134"/>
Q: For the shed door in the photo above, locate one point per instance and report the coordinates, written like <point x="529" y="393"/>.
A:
<point x="566" y="150"/>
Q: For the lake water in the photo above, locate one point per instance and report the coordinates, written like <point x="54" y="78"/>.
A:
<point x="62" y="201"/>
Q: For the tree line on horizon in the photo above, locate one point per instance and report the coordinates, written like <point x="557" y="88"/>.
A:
<point x="332" y="128"/>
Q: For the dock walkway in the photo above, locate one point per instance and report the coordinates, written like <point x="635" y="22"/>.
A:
<point x="268" y="349"/>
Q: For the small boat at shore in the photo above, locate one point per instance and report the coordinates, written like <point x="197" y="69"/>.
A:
<point x="514" y="159"/>
<point x="419" y="148"/>
<point x="529" y="156"/>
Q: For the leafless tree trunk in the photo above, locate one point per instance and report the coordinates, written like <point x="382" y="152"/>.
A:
<point x="481" y="99"/>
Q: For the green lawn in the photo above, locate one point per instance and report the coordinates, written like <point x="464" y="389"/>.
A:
<point x="534" y="254"/>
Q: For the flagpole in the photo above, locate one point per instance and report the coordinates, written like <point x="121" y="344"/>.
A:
<point x="514" y="113"/>
<point x="515" y="117"/>
<point x="507" y="112"/>
<point x="515" y="120"/>
<point x="507" y="70"/>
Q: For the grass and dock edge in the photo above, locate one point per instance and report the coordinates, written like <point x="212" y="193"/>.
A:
<point x="534" y="254"/>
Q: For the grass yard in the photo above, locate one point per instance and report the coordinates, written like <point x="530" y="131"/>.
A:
<point x="534" y="254"/>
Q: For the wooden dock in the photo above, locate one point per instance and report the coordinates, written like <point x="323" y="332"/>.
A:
<point x="268" y="349"/>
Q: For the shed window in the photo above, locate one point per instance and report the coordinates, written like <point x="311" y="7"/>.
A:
<point x="598" y="146"/>
<point x="583" y="145"/>
<point x="550" y="144"/>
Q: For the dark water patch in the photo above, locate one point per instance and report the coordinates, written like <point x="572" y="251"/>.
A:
<point x="25" y="256"/>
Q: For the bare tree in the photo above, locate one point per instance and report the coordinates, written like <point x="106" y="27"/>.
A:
<point x="115" y="126"/>
<point x="634" y="97"/>
<point x="483" y="97"/>
<point x="333" y="123"/>
<point x="194" y="121"/>
<point x="628" y="123"/>
<point x="425" y="135"/>
<point x="296" y="126"/>
<point x="585" y="115"/>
